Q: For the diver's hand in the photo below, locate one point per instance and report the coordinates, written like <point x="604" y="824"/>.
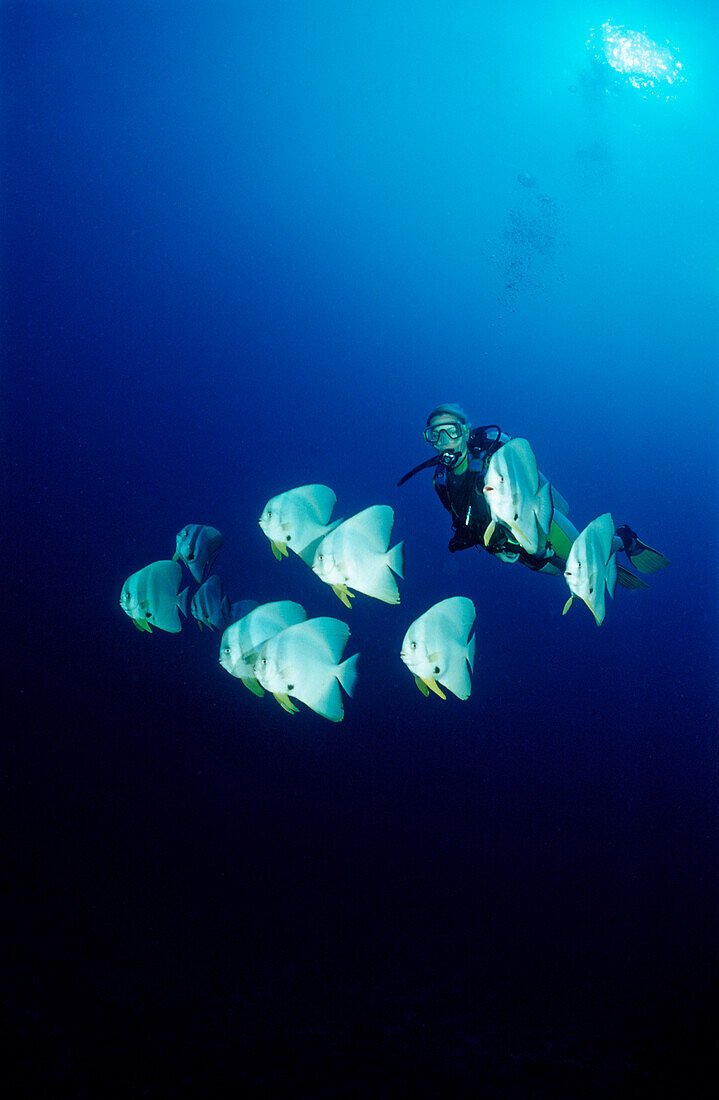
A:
<point x="462" y="540"/>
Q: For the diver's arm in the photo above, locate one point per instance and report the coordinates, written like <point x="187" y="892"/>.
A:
<point x="462" y="539"/>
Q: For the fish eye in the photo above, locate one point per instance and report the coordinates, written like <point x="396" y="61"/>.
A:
<point x="269" y="515"/>
<point x="413" y="645"/>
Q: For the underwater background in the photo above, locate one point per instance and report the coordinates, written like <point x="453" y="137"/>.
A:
<point x="248" y="246"/>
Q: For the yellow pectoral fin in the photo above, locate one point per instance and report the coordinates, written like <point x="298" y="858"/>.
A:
<point x="253" y="685"/>
<point x="343" y="593"/>
<point x="279" y="549"/>
<point x="175" y="556"/>
<point x="421" y="685"/>
<point x="143" y="626"/>
<point x="284" y="700"/>
<point x="568" y="604"/>
<point x="489" y="532"/>
<point x="433" y="686"/>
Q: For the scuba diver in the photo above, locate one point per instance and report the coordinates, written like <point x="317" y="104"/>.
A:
<point x="461" y="481"/>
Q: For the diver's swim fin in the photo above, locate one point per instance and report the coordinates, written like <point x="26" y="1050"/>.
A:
<point x="642" y="557"/>
<point x="627" y="579"/>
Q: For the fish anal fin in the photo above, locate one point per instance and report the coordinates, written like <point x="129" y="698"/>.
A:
<point x="434" y="686"/>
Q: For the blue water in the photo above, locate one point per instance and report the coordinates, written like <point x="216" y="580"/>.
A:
<point x="248" y="246"/>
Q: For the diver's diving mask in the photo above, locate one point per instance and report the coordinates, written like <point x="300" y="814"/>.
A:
<point x="452" y="431"/>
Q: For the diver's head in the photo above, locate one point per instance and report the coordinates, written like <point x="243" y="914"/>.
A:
<point x="448" y="431"/>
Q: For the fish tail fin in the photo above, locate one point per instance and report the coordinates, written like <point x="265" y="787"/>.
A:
<point x="347" y="674"/>
<point x="182" y="601"/>
<point x="396" y="559"/>
<point x="471" y="650"/>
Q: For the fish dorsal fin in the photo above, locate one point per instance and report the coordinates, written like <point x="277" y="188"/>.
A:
<point x="319" y="499"/>
<point x="213" y="588"/>
<point x="374" y="523"/>
<point x="515" y="464"/>
<point x="240" y="608"/>
<point x="267" y="620"/>
<point x="323" y="634"/>
<point x="455" y="614"/>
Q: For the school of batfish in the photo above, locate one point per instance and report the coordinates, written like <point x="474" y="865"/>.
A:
<point x="275" y="647"/>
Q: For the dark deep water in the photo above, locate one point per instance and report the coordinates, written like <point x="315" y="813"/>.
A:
<point x="249" y="246"/>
